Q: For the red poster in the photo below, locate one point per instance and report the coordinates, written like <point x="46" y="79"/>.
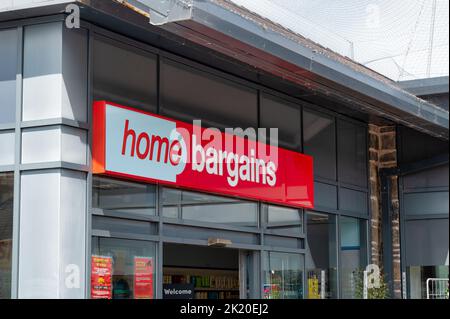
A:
<point x="101" y="277"/>
<point x="143" y="277"/>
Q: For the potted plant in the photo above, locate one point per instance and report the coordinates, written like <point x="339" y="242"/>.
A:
<point x="380" y="292"/>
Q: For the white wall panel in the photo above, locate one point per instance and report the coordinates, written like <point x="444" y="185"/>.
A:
<point x="55" y="72"/>
<point x="54" y="143"/>
<point x="73" y="145"/>
<point x="41" y="145"/>
<point x="72" y="221"/>
<point x="52" y="234"/>
<point x="39" y="234"/>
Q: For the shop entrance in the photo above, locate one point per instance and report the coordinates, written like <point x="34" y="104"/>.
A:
<point x="197" y="272"/>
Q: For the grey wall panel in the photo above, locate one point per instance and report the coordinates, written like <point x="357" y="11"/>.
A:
<point x="204" y="257"/>
<point x="286" y="242"/>
<point x="8" y="71"/>
<point x="124" y="75"/>
<point x="42" y="83"/>
<point x="425" y="146"/>
<point x="119" y="226"/>
<point x="7" y="5"/>
<point x="352" y="153"/>
<point x="188" y="232"/>
<point x="427" y="242"/>
<point x="325" y="195"/>
<point x="353" y="201"/>
<point x="435" y="177"/>
<point x="440" y="100"/>
<point x="285" y="116"/>
<point x="74" y="74"/>
<point x="189" y="94"/>
<point x="426" y="203"/>
<point x="319" y="138"/>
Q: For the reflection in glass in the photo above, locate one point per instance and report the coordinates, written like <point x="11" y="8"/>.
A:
<point x="417" y="282"/>
<point x="8" y="71"/>
<point x="117" y="226"/>
<point x="188" y="94"/>
<point x="132" y="83"/>
<point x="321" y="258"/>
<point x="6" y="218"/>
<point x="284" y="220"/>
<point x="285" y="116"/>
<point x="352" y="150"/>
<point x="125" y="255"/>
<point x="123" y="196"/>
<point x="319" y="142"/>
<point x="283" y="275"/>
<point x="208" y="208"/>
<point x="353" y="254"/>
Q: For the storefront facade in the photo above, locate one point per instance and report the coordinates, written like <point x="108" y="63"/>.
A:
<point x="57" y="215"/>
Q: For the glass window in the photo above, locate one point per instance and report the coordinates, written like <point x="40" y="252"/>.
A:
<point x="124" y="75"/>
<point x="353" y="201"/>
<point x="284" y="220"/>
<point x="417" y="282"/>
<point x="434" y="177"/>
<point x="8" y="71"/>
<point x="353" y="254"/>
<point x="325" y="196"/>
<point x="319" y="142"/>
<point x="190" y="94"/>
<point x="321" y="258"/>
<point x="283" y="275"/>
<point x="123" y="196"/>
<point x="123" y="269"/>
<point x="208" y="208"/>
<point x="426" y="242"/>
<point x="121" y="226"/>
<point x="352" y="152"/>
<point x="6" y="218"/>
<point x="426" y="203"/>
<point x="285" y="116"/>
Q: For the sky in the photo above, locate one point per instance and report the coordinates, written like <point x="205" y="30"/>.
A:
<point x="396" y="38"/>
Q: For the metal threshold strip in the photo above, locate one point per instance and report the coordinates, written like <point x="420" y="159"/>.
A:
<point x="243" y="35"/>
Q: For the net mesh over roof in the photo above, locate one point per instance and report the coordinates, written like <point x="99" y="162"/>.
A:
<point x="402" y="39"/>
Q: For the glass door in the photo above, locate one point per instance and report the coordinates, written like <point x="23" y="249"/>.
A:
<point x="321" y="256"/>
<point x="283" y="275"/>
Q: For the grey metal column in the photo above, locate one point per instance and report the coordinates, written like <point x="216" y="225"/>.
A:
<point x="53" y="163"/>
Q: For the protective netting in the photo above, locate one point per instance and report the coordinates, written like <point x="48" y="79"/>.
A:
<point x="401" y="39"/>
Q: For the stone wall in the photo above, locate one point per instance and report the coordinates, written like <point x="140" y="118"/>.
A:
<point x="383" y="154"/>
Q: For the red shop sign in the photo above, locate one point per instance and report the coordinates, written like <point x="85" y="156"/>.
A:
<point x="138" y="145"/>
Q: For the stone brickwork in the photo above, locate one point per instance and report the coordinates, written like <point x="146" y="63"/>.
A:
<point x="383" y="154"/>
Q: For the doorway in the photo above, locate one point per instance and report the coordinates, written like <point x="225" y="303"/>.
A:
<point x="200" y="272"/>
